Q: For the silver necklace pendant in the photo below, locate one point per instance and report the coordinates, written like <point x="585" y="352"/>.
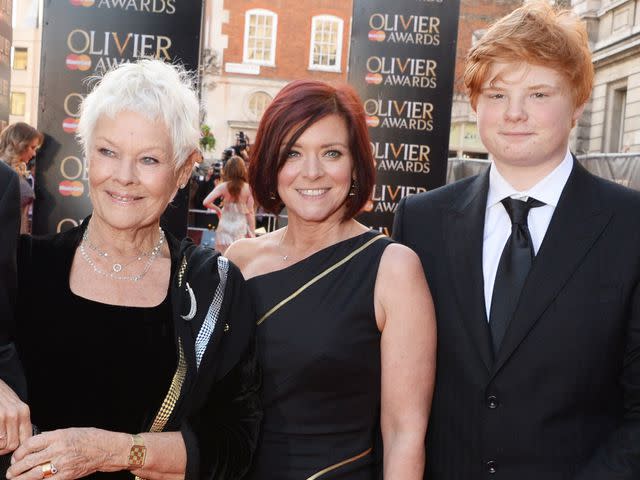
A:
<point x="118" y="267"/>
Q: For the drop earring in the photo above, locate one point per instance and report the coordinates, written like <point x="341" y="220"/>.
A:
<point x="354" y="187"/>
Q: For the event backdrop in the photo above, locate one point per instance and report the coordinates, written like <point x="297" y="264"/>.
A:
<point x="402" y="63"/>
<point x="83" y="38"/>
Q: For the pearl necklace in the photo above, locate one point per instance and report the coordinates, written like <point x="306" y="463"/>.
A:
<point x="117" y="267"/>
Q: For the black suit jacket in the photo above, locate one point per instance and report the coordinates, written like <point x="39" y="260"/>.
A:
<point x="10" y="370"/>
<point x="561" y="400"/>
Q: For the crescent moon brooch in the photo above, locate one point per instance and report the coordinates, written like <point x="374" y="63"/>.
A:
<point x="193" y="308"/>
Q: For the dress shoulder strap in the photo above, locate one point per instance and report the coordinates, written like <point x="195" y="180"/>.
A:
<point x="318" y="277"/>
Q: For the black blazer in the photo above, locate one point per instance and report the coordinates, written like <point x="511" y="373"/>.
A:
<point x="10" y="369"/>
<point x="562" y="398"/>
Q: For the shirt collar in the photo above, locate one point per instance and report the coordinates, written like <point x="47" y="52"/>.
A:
<point x="547" y="190"/>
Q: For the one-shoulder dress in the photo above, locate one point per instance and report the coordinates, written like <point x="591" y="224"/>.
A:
<point x="320" y="355"/>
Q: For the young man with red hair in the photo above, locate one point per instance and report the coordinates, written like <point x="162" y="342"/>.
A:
<point x="534" y="267"/>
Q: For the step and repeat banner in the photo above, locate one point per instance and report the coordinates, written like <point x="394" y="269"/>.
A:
<point x="402" y="63"/>
<point x="81" y="39"/>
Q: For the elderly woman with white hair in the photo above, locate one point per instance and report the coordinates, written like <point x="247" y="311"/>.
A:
<point x="138" y="351"/>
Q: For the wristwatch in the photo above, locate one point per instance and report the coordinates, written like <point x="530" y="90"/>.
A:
<point x="138" y="452"/>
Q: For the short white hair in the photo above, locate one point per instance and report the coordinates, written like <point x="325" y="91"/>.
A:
<point x="153" y="88"/>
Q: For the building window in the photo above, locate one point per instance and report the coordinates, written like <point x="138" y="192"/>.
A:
<point x="258" y="103"/>
<point x="326" y="43"/>
<point x="19" y="58"/>
<point x="18" y="103"/>
<point x="616" y="109"/>
<point x="260" y="29"/>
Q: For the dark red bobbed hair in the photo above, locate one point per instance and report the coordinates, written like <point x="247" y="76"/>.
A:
<point x="296" y="107"/>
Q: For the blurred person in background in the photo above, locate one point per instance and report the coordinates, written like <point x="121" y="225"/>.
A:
<point x="205" y="180"/>
<point x="237" y="215"/>
<point x="18" y="145"/>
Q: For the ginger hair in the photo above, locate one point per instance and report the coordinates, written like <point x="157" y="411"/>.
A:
<point x="535" y="34"/>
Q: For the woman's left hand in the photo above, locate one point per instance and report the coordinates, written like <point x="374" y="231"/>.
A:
<point x="68" y="454"/>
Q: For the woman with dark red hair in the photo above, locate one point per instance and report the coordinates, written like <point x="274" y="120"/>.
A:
<point x="346" y="324"/>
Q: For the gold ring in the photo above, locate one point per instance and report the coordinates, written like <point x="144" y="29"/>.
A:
<point x="48" y="470"/>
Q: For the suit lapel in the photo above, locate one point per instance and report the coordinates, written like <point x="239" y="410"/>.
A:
<point x="576" y="224"/>
<point x="463" y="234"/>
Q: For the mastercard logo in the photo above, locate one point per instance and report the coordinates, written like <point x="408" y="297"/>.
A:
<point x="71" y="188"/>
<point x="373" y="121"/>
<point x="70" y="125"/>
<point x="82" y="3"/>
<point x="373" y="78"/>
<point x="377" y="35"/>
<point x="78" y="62"/>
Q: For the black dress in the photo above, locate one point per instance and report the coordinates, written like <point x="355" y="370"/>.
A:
<point x="89" y="364"/>
<point x="320" y="355"/>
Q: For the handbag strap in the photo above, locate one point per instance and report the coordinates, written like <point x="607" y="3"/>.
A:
<point x="170" y="400"/>
<point x="326" y="272"/>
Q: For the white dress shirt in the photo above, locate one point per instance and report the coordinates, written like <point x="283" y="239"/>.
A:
<point x="497" y="224"/>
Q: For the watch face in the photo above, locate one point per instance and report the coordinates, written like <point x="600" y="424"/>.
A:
<point x="137" y="455"/>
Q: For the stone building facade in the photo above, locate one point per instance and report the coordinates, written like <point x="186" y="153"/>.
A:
<point x="611" y="123"/>
<point x="25" y="61"/>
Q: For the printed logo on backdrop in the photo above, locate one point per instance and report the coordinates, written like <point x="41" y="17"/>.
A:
<point x="402" y="114"/>
<point x="402" y="63"/>
<point x="82" y="3"/>
<point x="109" y="49"/>
<point x="401" y="157"/>
<point x="385" y="198"/>
<point x="148" y="6"/>
<point x="400" y="28"/>
<point x="71" y="106"/>
<point x="402" y="72"/>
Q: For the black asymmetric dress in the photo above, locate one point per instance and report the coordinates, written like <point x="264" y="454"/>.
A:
<point x="320" y="355"/>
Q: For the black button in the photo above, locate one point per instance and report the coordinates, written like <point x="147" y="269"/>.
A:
<point x="492" y="402"/>
<point x="491" y="466"/>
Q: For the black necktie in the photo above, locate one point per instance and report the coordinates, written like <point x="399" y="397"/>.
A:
<point x="513" y="268"/>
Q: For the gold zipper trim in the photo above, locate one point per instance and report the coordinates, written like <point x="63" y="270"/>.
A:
<point x="317" y="278"/>
<point x="340" y="464"/>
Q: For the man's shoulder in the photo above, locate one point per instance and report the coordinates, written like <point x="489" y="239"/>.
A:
<point x="441" y="197"/>
<point x="49" y="248"/>
<point x="7" y="174"/>
<point x="612" y="194"/>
